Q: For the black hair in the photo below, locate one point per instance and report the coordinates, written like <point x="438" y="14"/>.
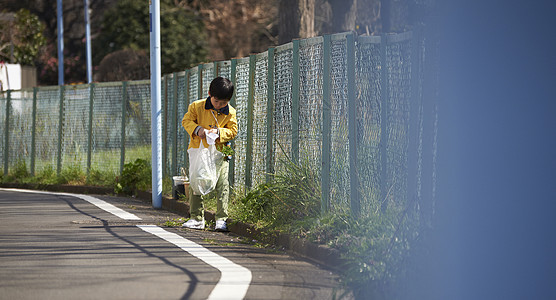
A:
<point x="221" y="88"/>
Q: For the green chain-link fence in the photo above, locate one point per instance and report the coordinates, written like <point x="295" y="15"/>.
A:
<point x="350" y="106"/>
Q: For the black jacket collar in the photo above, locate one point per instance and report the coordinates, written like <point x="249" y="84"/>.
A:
<point x="224" y="110"/>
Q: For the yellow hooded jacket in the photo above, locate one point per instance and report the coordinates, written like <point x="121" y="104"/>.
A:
<point x="201" y="113"/>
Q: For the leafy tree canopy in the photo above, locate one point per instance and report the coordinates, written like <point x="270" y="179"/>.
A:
<point x="126" y="26"/>
<point x="21" y="38"/>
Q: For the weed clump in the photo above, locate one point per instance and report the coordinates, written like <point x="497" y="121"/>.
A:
<point x="19" y="173"/>
<point x="72" y="175"/>
<point x="135" y="176"/>
<point x="46" y="175"/>
<point x="98" y="178"/>
<point x="375" y="246"/>
<point x="292" y="196"/>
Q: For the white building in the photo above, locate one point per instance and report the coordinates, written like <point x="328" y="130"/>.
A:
<point x="17" y="77"/>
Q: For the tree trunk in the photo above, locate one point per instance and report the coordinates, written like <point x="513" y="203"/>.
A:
<point x="344" y="15"/>
<point x="296" y="20"/>
<point x="307" y="16"/>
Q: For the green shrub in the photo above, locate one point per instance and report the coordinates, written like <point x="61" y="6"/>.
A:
<point x="47" y="175"/>
<point x="291" y="196"/>
<point x="73" y="175"/>
<point x="98" y="178"/>
<point x="135" y="176"/>
<point x="18" y="173"/>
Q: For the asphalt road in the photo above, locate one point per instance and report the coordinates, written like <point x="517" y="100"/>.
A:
<point x="55" y="246"/>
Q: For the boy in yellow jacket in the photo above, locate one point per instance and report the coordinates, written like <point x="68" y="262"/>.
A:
<point x="215" y="115"/>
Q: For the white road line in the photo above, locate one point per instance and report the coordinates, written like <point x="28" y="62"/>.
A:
<point x="94" y="201"/>
<point x="108" y="207"/>
<point x="234" y="279"/>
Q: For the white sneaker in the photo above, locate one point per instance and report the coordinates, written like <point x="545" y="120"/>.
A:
<point x="194" y="224"/>
<point x="221" y="226"/>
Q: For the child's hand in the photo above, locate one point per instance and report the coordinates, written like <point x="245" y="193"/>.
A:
<point x="212" y="136"/>
<point x="202" y="133"/>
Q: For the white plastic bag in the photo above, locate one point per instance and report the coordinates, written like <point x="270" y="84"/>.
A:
<point x="211" y="138"/>
<point x="202" y="169"/>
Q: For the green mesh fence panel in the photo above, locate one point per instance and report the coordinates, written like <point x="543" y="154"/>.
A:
<point x="20" y="128"/>
<point x="399" y="76"/>
<point x="225" y="69"/>
<point x="283" y="70"/>
<point x="163" y="125"/>
<point x="241" y="90"/>
<point x="339" y="158"/>
<point x="138" y="121"/>
<point x="208" y="76"/>
<point x="310" y="102"/>
<point x="368" y="80"/>
<point x="47" y="122"/>
<point x="168" y="121"/>
<point x="259" y="120"/>
<point x="182" y="135"/>
<point x="193" y="85"/>
<point x="75" y="127"/>
<point x="107" y="123"/>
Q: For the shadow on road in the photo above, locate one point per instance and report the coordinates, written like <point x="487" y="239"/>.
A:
<point x="193" y="279"/>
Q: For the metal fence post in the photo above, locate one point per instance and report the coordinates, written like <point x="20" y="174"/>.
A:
<point x="33" y="131"/>
<point x="124" y="111"/>
<point x="233" y="66"/>
<point x="326" y="123"/>
<point x="175" y="128"/>
<point x="164" y="125"/>
<point x="90" y="129"/>
<point x="384" y="107"/>
<point x="186" y="139"/>
<point x="200" y="82"/>
<point x="270" y="116"/>
<point x="250" y="102"/>
<point x="352" y="127"/>
<point x="60" y="130"/>
<point x="7" y="132"/>
<point x="295" y="102"/>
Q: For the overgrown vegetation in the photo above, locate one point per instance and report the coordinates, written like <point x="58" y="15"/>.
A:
<point x="72" y="175"/>
<point x="375" y="247"/>
<point x="19" y="173"/>
<point x="293" y="195"/>
<point x="135" y="176"/>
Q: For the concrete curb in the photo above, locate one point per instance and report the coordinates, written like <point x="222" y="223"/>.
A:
<point x="319" y="254"/>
